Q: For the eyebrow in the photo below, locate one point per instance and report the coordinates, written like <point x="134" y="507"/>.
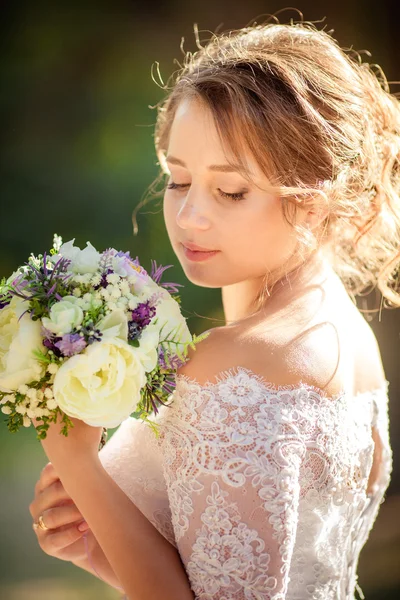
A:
<point x="224" y="168"/>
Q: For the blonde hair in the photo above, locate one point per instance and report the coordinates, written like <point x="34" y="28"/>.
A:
<point x="330" y="129"/>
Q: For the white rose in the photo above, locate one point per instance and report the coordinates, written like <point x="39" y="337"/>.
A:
<point x="82" y="261"/>
<point x="115" y="324"/>
<point x="65" y="315"/>
<point x="149" y="340"/>
<point x="102" y="385"/>
<point x="18" y="338"/>
<point x="170" y="321"/>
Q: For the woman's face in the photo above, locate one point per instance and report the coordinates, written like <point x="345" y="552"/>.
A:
<point x="248" y="230"/>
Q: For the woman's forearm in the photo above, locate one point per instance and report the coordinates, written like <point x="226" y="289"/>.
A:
<point x="101" y="567"/>
<point x="143" y="561"/>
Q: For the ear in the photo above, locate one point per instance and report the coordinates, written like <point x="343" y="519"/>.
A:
<point x="314" y="217"/>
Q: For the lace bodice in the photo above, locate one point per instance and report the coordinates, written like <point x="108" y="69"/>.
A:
<point x="261" y="488"/>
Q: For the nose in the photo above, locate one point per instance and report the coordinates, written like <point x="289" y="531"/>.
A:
<point x="192" y="216"/>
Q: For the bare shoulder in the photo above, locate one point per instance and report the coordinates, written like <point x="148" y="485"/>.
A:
<point x="225" y="348"/>
<point x="210" y="356"/>
<point x="329" y="354"/>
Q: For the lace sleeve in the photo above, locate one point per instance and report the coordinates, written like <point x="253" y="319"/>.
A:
<point x="380" y="424"/>
<point x="232" y="464"/>
<point x="132" y="458"/>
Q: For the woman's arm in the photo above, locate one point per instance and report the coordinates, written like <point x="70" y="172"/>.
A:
<point x="132" y="458"/>
<point x="102" y="568"/>
<point x="146" y="565"/>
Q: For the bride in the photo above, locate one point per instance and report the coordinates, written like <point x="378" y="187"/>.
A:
<point x="281" y="154"/>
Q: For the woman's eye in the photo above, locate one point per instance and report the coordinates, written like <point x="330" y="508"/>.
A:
<point x="236" y="196"/>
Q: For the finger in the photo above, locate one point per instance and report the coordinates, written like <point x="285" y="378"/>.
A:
<point x="52" y="542"/>
<point x="47" y="476"/>
<point x="53" y="495"/>
<point x="61" y="515"/>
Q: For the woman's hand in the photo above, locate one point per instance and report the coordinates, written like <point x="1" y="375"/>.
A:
<point x="63" y="539"/>
<point x="79" y="447"/>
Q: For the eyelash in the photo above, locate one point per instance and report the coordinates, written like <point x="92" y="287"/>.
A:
<point x="235" y="197"/>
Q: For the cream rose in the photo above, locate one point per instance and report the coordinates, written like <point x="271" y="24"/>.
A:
<point x="82" y="261"/>
<point x="102" y="385"/>
<point x="115" y="324"/>
<point x="170" y="321"/>
<point x="147" y="350"/>
<point x="64" y="316"/>
<point x="18" y="338"/>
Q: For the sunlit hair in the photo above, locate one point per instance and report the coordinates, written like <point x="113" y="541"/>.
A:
<point x="324" y="129"/>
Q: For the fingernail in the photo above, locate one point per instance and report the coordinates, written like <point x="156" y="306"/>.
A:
<point x="83" y="526"/>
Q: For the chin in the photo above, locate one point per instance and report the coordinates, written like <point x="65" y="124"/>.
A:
<point x="203" y="279"/>
<point x="211" y="279"/>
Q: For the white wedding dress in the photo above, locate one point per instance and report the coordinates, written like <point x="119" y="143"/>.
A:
<point x="262" y="488"/>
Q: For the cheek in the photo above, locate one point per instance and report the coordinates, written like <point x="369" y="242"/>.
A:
<point x="169" y="216"/>
<point x="263" y="237"/>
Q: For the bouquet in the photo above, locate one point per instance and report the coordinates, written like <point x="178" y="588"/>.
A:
<point x="88" y="335"/>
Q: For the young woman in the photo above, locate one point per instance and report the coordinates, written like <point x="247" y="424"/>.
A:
<point x="282" y="158"/>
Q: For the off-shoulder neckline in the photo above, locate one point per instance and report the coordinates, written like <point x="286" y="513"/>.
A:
<point x="234" y="372"/>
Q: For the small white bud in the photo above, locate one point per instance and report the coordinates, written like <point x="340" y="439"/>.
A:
<point x="96" y="279"/>
<point x="7" y="398"/>
<point x="6" y="410"/>
<point x="124" y="287"/>
<point x="132" y="304"/>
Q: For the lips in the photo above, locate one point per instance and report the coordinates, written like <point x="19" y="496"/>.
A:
<point x="197" y="248"/>
<point x="198" y="255"/>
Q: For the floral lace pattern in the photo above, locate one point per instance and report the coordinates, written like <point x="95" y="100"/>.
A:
<point x="267" y="485"/>
<point x="261" y="488"/>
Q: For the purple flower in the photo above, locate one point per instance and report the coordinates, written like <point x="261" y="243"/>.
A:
<point x="157" y="271"/>
<point x="143" y="314"/>
<point x="142" y="269"/>
<point x="156" y="274"/>
<point x="174" y="362"/>
<point x="127" y="254"/>
<point x="50" y="341"/>
<point x="70" y="344"/>
<point x="19" y="283"/>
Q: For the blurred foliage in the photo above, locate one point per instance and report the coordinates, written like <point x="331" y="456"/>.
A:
<point x="78" y="155"/>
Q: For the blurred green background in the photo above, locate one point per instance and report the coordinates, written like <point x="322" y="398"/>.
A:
<point x="78" y="155"/>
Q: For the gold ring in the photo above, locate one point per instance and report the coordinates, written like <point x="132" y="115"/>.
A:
<point x="41" y="524"/>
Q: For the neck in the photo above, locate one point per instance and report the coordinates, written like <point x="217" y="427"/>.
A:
<point x="249" y="297"/>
